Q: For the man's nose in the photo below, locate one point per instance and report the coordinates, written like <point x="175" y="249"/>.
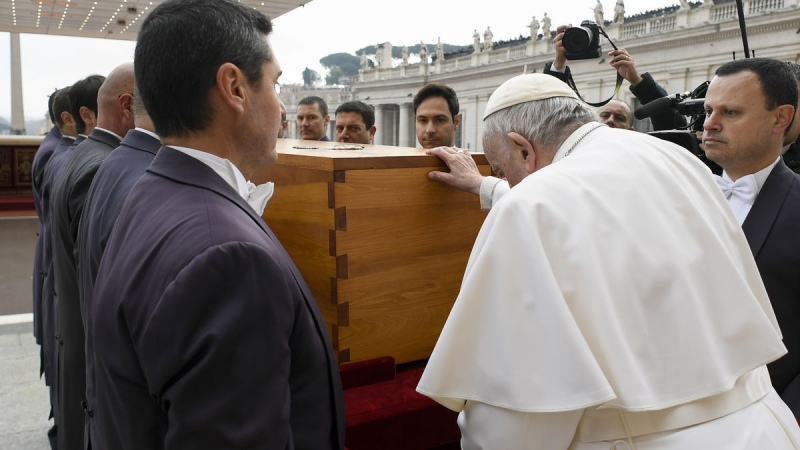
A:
<point x="711" y="122"/>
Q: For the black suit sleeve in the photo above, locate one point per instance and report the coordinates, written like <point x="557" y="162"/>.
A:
<point x="225" y="321"/>
<point x="647" y="91"/>
<point x="548" y="69"/>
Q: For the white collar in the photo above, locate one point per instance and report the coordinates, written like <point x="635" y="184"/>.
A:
<point x="109" y="132"/>
<point x="573" y="140"/>
<point x="760" y="176"/>
<point x="255" y="196"/>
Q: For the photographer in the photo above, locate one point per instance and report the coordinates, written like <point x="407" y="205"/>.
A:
<point x="643" y="86"/>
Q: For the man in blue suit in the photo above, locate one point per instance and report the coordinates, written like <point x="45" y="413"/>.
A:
<point x="750" y="104"/>
<point x="204" y="333"/>
<point x="110" y="187"/>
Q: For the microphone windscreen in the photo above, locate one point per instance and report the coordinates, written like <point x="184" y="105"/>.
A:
<point x="654" y="107"/>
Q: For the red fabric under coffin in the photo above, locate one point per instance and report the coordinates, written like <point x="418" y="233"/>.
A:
<point x="391" y="415"/>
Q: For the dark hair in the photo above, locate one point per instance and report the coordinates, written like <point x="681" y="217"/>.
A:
<point x="795" y="68"/>
<point x="50" y="100"/>
<point x="778" y="81"/>
<point x="60" y="104"/>
<point x="437" y="90"/>
<point x="311" y="99"/>
<point x="367" y="111"/>
<point x="138" y="106"/>
<point x="84" y="93"/>
<point x="180" y="47"/>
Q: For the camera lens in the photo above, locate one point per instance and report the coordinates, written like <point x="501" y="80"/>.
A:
<point x="577" y="39"/>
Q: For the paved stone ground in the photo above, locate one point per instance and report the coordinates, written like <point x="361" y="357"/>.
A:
<point x="24" y="403"/>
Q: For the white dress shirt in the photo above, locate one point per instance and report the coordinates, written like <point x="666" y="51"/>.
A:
<point x="256" y="196"/>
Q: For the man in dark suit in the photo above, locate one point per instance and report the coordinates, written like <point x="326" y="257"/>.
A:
<point x="82" y="94"/>
<point x="114" y="118"/>
<point x="313" y="119"/>
<point x="750" y="104"/>
<point x="64" y="129"/>
<point x="791" y="142"/>
<point x="110" y="187"/>
<point x="204" y="333"/>
<point x="43" y="154"/>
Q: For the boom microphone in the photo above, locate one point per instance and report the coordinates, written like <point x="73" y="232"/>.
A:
<point x="656" y="106"/>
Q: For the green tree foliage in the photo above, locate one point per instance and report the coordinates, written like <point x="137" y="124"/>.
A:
<point x="310" y="77"/>
<point x="348" y="64"/>
<point x="334" y="73"/>
<point x="397" y="50"/>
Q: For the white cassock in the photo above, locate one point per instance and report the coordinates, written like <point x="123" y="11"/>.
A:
<point x="612" y="297"/>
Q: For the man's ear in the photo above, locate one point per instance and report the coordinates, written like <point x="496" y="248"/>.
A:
<point x="126" y="105"/>
<point x="327" y="120"/>
<point x="457" y="120"/>
<point x="231" y="87"/>
<point x="67" y="119"/>
<point x="522" y="151"/>
<point x="783" y="118"/>
<point x="87" y="115"/>
<point x="372" y="131"/>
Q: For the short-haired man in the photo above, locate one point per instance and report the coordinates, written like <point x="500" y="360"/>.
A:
<point x="791" y="142"/>
<point x="616" y="114"/>
<point x="83" y="104"/>
<point x="564" y="331"/>
<point x="313" y="119"/>
<point x="749" y="105"/>
<point x="204" y="333"/>
<point x="52" y="170"/>
<point x="64" y="129"/>
<point x="436" y="115"/>
<point x="113" y="119"/>
<point x="355" y="122"/>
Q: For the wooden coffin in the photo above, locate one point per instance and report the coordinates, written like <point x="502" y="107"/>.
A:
<point x="382" y="247"/>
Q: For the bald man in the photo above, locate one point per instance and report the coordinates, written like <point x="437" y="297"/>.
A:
<point x="616" y="114"/>
<point x="114" y="119"/>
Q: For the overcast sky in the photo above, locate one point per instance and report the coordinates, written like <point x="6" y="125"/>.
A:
<point x="305" y="35"/>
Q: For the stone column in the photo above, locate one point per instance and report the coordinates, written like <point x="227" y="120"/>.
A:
<point x="378" y="139"/>
<point x="17" y="109"/>
<point x="404" y="130"/>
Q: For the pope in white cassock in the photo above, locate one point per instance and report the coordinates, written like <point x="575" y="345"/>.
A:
<point x="611" y="300"/>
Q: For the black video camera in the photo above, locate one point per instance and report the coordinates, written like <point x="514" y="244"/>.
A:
<point x="582" y="42"/>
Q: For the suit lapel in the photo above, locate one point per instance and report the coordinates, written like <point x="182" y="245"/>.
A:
<point x="768" y="204"/>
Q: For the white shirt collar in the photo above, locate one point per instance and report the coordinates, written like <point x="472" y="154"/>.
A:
<point x="256" y="196"/>
<point x="148" y="132"/>
<point x="760" y="176"/>
<point x="109" y="132"/>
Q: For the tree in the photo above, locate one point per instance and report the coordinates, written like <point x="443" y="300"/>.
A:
<point x="310" y="77"/>
<point x="333" y="76"/>
<point x="348" y="64"/>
